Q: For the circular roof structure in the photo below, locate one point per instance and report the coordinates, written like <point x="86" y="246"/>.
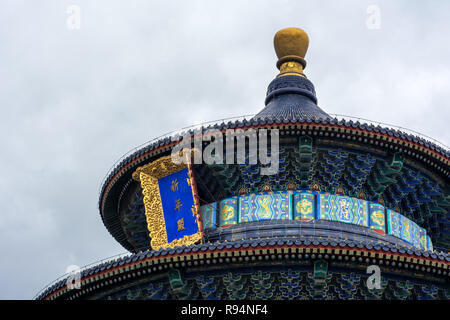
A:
<point x="291" y="107"/>
<point x="370" y="171"/>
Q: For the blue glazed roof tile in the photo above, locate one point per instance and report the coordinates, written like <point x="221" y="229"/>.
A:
<point x="244" y="243"/>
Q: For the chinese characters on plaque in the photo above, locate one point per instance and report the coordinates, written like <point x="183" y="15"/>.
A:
<point x="180" y="214"/>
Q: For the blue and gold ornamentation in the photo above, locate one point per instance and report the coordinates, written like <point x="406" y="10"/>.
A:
<point x="429" y="243"/>
<point x="401" y="227"/>
<point x="376" y="218"/>
<point x="304" y="206"/>
<point x="209" y="215"/>
<point x="343" y="209"/>
<point x="171" y="204"/>
<point x="415" y="234"/>
<point x="423" y="238"/>
<point x="301" y="205"/>
<point x="406" y="228"/>
<point x="268" y="206"/>
<point x="394" y="225"/>
<point x="228" y="211"/>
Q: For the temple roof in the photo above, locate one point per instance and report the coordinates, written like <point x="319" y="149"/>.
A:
<point x="290" y="95"/>
<point x="291" y="106"/>
<point x="350" y="247"/>
<point x="426" y="154"/>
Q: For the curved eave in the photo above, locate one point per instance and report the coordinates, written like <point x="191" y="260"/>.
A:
<point x="392" y="259"/>
<point x="384" y="135"/>
<point x="428" y="153"/>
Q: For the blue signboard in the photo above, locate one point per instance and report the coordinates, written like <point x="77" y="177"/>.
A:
<point x="178" y="205"/>
<point x="171" y="205"/>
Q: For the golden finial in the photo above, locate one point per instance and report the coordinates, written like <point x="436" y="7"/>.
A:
<point x="291" y="45"/>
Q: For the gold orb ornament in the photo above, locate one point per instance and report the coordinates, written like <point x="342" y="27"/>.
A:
<point x="291" y="45"/>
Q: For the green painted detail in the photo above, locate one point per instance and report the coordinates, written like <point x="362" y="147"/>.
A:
<point x="175" y="280"/>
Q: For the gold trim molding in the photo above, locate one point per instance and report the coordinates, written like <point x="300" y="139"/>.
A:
<point x="148" y="175"/>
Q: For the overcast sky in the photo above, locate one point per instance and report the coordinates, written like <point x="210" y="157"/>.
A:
<point x="74" y="100"/>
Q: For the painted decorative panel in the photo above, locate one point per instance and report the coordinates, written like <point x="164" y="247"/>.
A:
<point x="406" y="228"/>
<point x="377" y="221"/>
<point x="228" y="213"/>
<point x="304" y="206"/>
<point x="209" y="215"/>
<point x="307" y="205"/>
<point x="415" y="234"/>
<point x="429" y="244"/>
<point x="394" y="225"/>
<point x="423" y="238"/>
<point x="343" y="209"/>
<point x="269" y="206"/>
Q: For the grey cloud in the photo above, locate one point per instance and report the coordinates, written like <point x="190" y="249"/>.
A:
<point x="74" y="101"/>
